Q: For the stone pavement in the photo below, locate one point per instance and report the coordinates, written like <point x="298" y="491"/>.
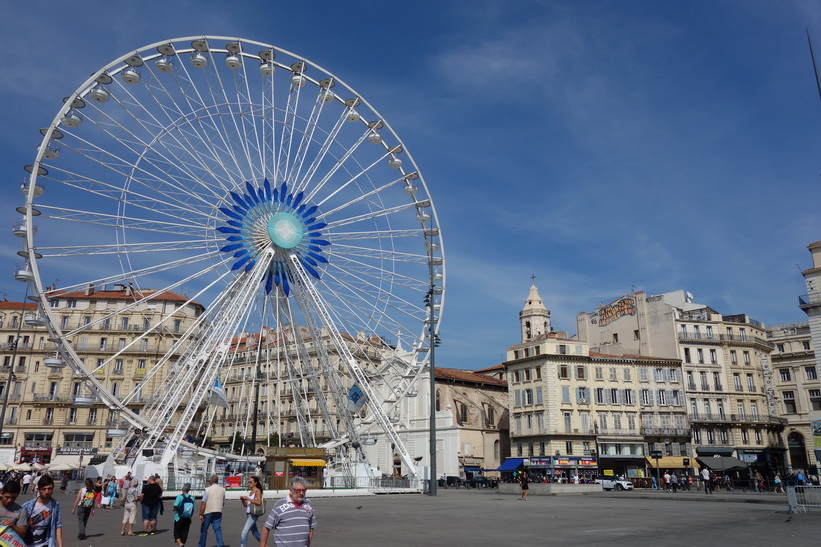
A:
<point x="485" y="517"/>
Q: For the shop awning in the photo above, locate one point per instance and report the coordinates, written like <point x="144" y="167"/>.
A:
<point x="308" y="462"/>
<point x="472" y="469"/>
<point x="723" y="463"/>
<point x="510" y="464"/>
<point x="671" y="462"/>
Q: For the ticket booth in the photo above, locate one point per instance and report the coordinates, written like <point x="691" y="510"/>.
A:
<point x="285" y="463"/>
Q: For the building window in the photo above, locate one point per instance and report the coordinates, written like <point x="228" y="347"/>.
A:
<point x="713" y="357"/>
<point x="463" y="413"/>
<point x="662" y="397"/>
<point x="582" y="395"/>
<point x="598" y="372"/>
<point x="780" y="348"/>
<point x="717" y="381"/>
<point x="733" y="357"/>
<point x="71" y="303"/>
<point x="750" y="383"/>
<point x="565" y="394"/>
<point x="700" y="353"/>
<point x="784" y="374"/>
<point x="737" y="381"/>
<point x="789" y="402"/>
<point x="629" y="397"/>
<point x="600" y="395"/>
<point x="568" y="446"/>
<point x="746" y="357"/>
<point x="528" y="397"/>
<point x="806" y="345"/>
<point x="687" y="355"/>
<point x="627" y="375"/>
<point x="643" y="374"/>
<point x="646" y="397"/>
<point x="613" y="377"/>
<point x="564" y="372"/>
<point x="811" y="373"/>
<point x="815" y="399"/>
<point x="491" y="417"/>
<point x="526" y="374"/>
<point x="438" y="396"/>
<point x="758" y="439"/>
<point x="567" y="423"/>
<point x="581" y="372"/>
<point x="538" y="372"/>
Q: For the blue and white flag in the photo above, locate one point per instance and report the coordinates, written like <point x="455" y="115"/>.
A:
<point x="218" y="397"/>
<point x="356" y="399"/>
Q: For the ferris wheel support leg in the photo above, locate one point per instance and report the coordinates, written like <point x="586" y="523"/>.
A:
<point x="376" y="409"/>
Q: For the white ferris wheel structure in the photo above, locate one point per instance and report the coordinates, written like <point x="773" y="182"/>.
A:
<point x="267" y="194"/>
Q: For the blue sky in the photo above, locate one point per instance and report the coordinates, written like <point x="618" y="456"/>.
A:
<point x="599" y="145"/>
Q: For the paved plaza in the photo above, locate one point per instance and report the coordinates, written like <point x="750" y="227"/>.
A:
<point x="485" y="517"/>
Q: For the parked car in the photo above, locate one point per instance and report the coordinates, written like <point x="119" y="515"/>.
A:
<point x="480" y="482"/>
<point x="454" y="482"/>
<point x="614" y="483"/>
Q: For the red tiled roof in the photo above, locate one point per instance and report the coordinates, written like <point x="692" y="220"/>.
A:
<point x="155" y="295"/>
<point x="467" y="376"/>
<point x="491" y="369"/>
<point x="6" y="305"/>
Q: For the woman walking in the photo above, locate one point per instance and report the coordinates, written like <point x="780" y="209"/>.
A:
<point x="129" y="503"/>
<point x="84" y="507"/>
<point x="111" y="492"/>
<point x="254" y="509"/>
<point x="45" y="523"/>
<point x="98" y="491"/>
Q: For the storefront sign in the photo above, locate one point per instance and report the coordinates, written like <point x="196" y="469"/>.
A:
<point x="75" y="451"/>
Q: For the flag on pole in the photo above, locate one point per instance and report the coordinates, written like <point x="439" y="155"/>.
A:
<point x="356" y="399"/>
<point x="218" y="397"/>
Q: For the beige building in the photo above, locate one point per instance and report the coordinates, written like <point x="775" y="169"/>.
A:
<point x="811" y="304"/>
<point x="794" y="378"/>
<point x="575" y="412"/>
<point x="53" y="412"/>
<point x="725" y="365"/>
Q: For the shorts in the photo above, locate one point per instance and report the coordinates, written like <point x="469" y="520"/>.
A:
<point x="130" y="513"/>
<point x="150" y="513"/>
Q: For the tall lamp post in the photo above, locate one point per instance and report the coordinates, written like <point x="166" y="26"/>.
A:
<point x="433" y="342"/>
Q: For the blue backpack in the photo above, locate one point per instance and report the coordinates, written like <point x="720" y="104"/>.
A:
<point x="186" y="507"/>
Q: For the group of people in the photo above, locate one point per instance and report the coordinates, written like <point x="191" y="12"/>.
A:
<point x="35" y="523"/>
<point x="672" y="482"/>
<point x="38" y="523"/>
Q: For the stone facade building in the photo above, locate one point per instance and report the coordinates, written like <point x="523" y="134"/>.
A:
<point x="53" y="412"/>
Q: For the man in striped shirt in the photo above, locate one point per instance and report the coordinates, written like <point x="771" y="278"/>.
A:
<point x="292" y="519"/>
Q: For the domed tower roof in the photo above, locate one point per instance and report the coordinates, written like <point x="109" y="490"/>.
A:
<point x="534" y="317"/>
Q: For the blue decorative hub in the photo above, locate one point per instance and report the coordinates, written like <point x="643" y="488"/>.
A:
<point x="270" y="218"/>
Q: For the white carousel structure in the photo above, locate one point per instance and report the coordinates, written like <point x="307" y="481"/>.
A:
<point x="271" y="197"/>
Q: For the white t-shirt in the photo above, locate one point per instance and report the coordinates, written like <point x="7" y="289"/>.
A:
<point x="27" y="478"/>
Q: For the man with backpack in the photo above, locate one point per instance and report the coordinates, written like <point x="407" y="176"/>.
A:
<point x="183" y="512"/>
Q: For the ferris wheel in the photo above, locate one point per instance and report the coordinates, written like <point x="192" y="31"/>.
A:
<point x="274" y="209"/>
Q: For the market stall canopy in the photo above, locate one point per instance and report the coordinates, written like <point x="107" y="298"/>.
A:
<point x="722" y="463"/>
<point x="510" y="464"/>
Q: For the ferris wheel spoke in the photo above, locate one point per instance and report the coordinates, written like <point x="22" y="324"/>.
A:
<point x="307" y="137"/>
<point x="383" y="255"/>
<point x="160" y="246"/>
<point x="366" y="293"/>
<point x="166" y="158"/>
<point x="179" y="226"/>
<point x="380" y="213"/>
<point x="374" y="271"/>
<point x="416" y="233"/>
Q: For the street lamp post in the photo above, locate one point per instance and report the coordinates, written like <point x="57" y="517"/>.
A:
<point x="432" y="366"/>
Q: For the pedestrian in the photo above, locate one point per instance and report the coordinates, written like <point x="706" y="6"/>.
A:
<point x="705" y="478"/>
<point x="111" y="492"/>
<point x="129" y="504"/>
<point x="98" y="491"/>
<point x="254" y="508"/>
<point x="655" y="484"/>
<point x="523" y="482"/>
<point x="45" y="523"/>
<point x="759" y="480"/>
<point x="778" y="488"/>
<point x="800" y="478"/>
<point x="183" y="513"/>
<point x="292" y="519"/>
<point x="213" y="499"/>
<point x="26" y="482"/>
<point x="84" y="507"/>
<point x="11" y="513"/>
<point x="674" y="481"/>
<point x="666" y="477"/>
<point x="150" y="499"/>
